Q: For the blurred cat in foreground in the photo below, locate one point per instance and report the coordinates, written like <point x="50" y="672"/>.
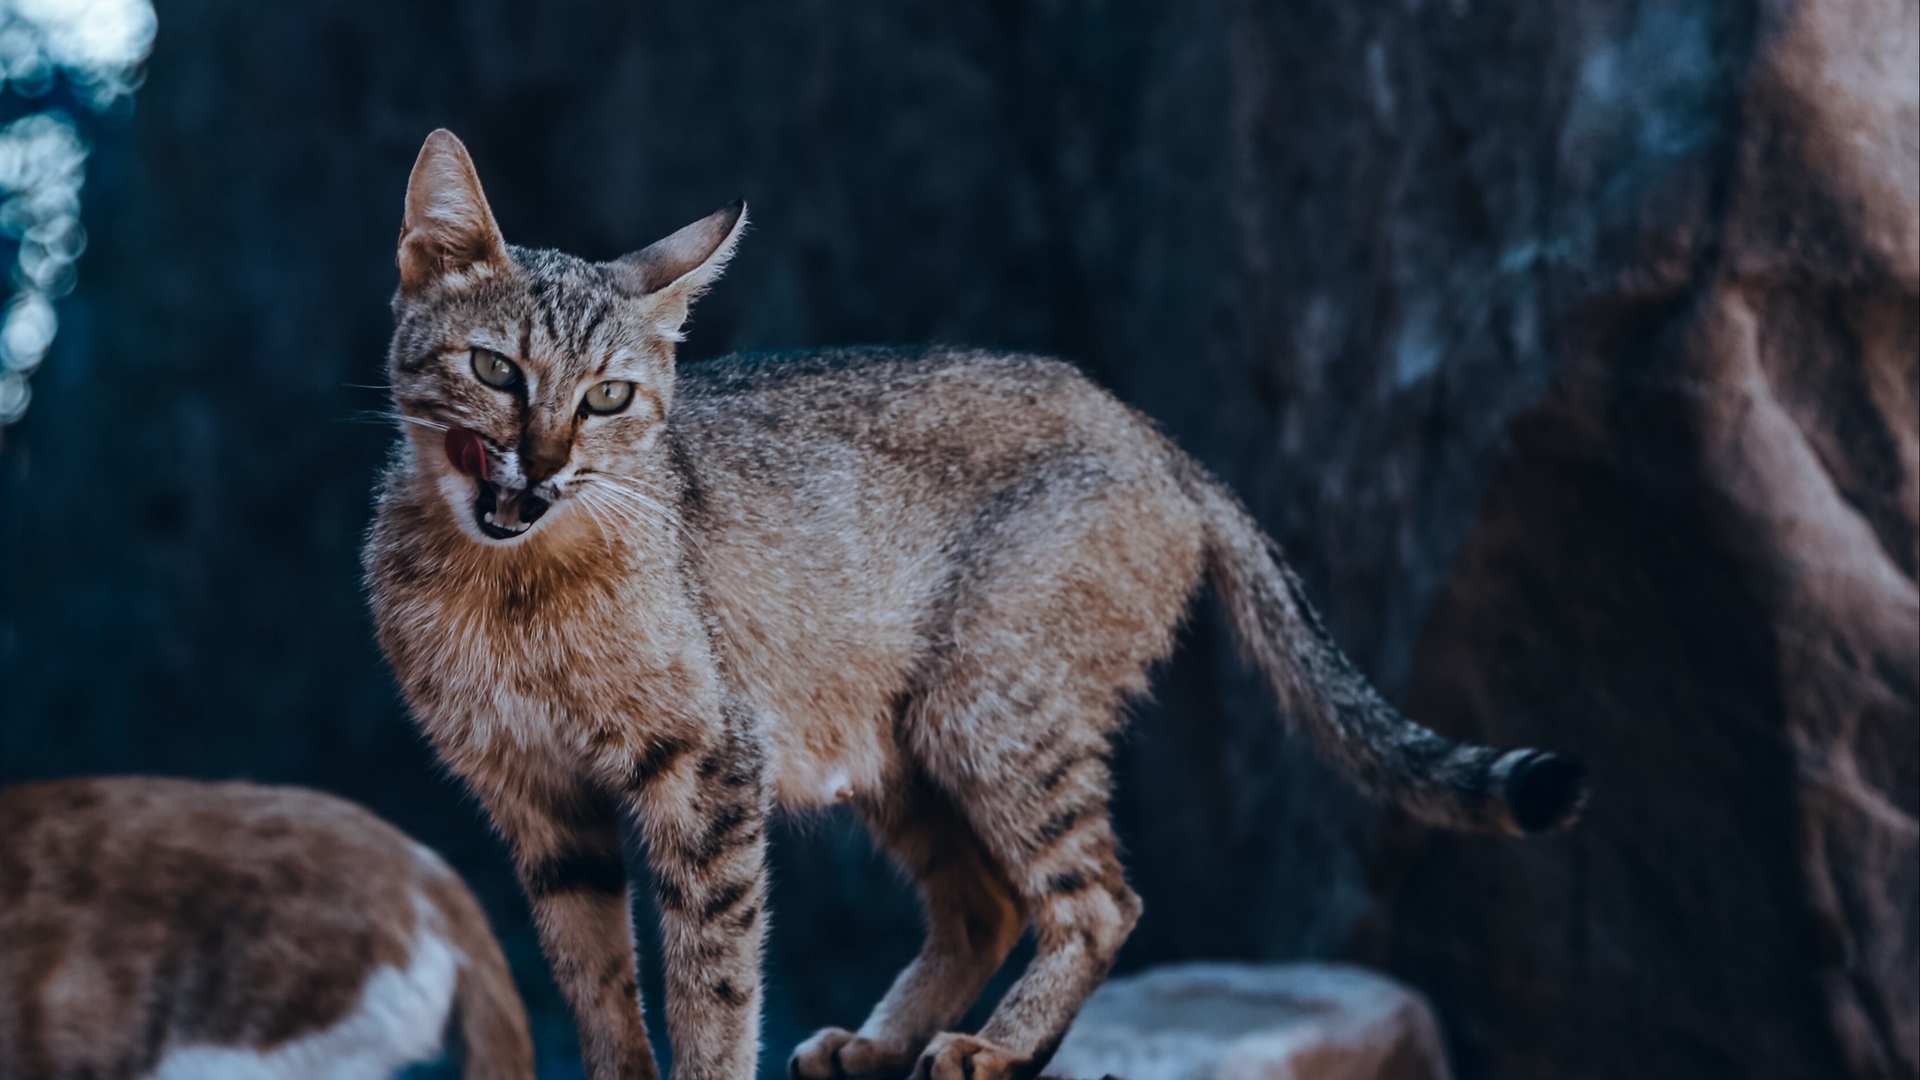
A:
<point x="155" y="929"/>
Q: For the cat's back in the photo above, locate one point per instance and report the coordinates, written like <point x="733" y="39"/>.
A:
<point x="961" y="416"/>
<point x="159" y="928"/>
<point x="836" y="377"/>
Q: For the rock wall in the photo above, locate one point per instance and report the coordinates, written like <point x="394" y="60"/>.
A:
<point x="1570" y="349"/>
<point x="1697" y="563"/>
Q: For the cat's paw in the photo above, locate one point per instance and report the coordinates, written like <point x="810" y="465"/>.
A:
<point x="818" y="1057"/>
<point x="839" y="1054"/>
<point x="952" y="1056"/>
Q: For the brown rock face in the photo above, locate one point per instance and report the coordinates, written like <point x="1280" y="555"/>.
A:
<point x="1581" y="373"/>
<point x="1697" y="564"/>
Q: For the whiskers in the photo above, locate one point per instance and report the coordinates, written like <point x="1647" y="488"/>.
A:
<point x="632" y="503"/>
<point x="390" y="416"/>
<point x="596" y="513"/>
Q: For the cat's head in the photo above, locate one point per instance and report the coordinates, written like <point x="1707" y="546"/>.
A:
<point x="532" y="382"/>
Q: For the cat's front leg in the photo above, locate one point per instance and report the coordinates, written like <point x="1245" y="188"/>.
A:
<point x="704" y="821"/>
<point x="565" y="836"/>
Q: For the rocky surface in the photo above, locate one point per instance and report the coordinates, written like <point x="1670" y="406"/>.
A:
<point x="1708" y="528"/>
<point x="1570" y="349"/>
<point x="1254" y="1022"/>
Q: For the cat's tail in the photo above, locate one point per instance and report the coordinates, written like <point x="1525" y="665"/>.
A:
<point x="1440" y="781"/>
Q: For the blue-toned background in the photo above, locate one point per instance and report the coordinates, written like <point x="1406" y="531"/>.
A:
<point x="1570" y="349"/>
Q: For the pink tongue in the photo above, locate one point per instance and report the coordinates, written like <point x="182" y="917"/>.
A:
<point x="466" y="452"/>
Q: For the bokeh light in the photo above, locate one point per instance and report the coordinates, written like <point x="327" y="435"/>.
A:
<point x="68" y="55"/>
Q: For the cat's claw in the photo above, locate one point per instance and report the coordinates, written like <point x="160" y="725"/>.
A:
<point x="951" y="1056"/>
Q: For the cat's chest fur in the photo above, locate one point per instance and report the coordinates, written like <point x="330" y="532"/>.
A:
<point x="572" y="655"/>
<point x="570" y="651"/>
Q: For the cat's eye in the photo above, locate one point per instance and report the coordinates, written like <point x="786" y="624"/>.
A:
<point x="608" y="397"/>
<point x="493" y="369"/>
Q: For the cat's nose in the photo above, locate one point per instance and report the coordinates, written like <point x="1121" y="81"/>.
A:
<point x="541" y="458"/>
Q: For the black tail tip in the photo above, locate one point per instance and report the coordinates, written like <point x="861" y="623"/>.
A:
<point x="1545" y="791"/>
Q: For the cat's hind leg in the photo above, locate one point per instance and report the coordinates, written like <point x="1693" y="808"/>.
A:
<point x="1070" y="589"/>
<point x="1068" y="876"/>
<point x="1016" y="721"/>
<point x="974" y="917"/>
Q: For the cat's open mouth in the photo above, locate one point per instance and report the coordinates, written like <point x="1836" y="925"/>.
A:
<point x="505" y="517"/>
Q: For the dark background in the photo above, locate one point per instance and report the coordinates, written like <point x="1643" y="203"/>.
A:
<point x="1569" y="348"/>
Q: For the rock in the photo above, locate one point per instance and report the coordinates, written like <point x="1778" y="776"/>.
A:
<point x="1696" y="565"/>
<point x="1218" y="1021"/>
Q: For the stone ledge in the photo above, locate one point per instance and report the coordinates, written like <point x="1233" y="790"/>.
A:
<point x="1216" y="1021"/>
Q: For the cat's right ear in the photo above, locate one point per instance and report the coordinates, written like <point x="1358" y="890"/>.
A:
<point x="448" y="229"/>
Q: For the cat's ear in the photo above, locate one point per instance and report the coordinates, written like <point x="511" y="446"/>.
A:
<point x="448" y="228"/>
<point x="678" y="269"/>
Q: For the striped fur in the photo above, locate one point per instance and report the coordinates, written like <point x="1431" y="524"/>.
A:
<point x="920" y="582"/>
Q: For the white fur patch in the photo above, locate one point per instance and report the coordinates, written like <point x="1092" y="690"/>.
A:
<point x="398" y="1022"/>
<point x="838" y="788"/>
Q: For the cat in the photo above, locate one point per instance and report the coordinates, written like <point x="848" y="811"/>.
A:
<point x="918" y="581"/>
<point x="155" y="929"/>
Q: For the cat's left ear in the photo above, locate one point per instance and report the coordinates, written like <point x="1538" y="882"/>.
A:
<point x="675" y="271"/>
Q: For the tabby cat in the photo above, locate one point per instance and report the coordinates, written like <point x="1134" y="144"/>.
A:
<point x="918" y="581"/>
<point x="157" y="929"/>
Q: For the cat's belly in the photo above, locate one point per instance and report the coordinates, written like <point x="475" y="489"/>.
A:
<point x="826" y="742"/>
<point x="826" y="709"/>
<point x="823" y="645"/>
